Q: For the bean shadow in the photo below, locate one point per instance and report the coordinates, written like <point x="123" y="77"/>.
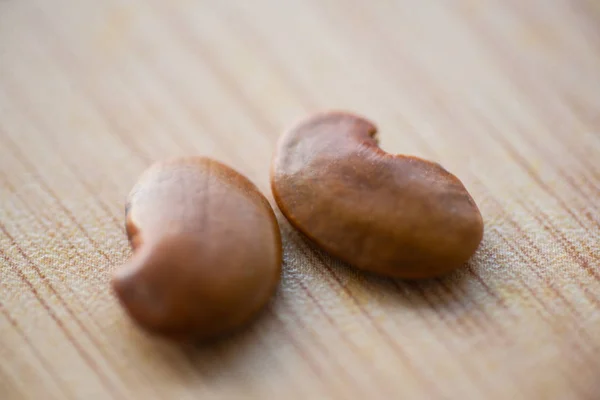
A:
<point x="221" y="364"/>
<point x="444" y="293"/>
<point x="235" y="354"/>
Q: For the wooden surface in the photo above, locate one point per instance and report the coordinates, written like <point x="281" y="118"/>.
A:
<point x="503" y="93"/>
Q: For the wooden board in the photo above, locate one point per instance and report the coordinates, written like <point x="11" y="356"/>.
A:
<point x="505" y="94"/>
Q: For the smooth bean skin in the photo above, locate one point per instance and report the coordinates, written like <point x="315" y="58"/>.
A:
<point x="206" y="250"/>
<point x="393" y="215"/>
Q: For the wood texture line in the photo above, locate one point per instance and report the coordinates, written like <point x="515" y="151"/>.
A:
<point x="502" y="93"/>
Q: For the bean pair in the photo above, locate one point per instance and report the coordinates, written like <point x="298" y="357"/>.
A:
<point x="207" y="248"/>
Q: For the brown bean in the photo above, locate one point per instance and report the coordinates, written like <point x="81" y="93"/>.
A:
<point x="207" y="250"/>
<point x="395" y="215"/>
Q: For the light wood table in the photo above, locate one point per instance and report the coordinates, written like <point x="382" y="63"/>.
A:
<point x="503" y="93"/>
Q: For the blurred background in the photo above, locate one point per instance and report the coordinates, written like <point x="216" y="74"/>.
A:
<point x="503" y="93"/>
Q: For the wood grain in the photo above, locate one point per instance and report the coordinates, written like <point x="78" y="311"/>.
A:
<point x="505" y="94"/>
